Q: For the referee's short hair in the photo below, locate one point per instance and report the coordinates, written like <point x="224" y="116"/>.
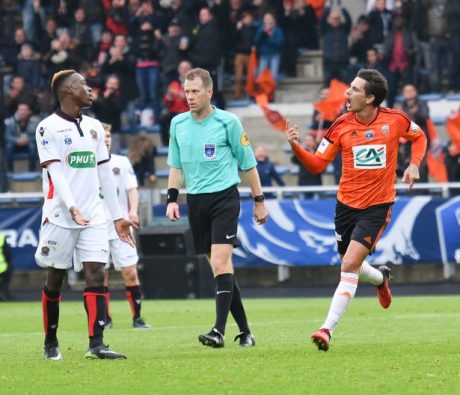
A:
<point x="58" y="80"/>
<point x="376" y="85"/>
<point x="202" y="74"/>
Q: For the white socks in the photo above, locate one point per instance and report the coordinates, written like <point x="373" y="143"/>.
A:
<point x="342" y="298"/>
<point x="370" y="274"/>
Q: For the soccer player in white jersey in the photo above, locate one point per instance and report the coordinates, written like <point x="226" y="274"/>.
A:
<point x="75" y="160"/>
<point x="124" y="257"/>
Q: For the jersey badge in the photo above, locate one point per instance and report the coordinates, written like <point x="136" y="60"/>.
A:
<point x="116" y="171"/>
<point x="413" y="127"/>
<point x="45" y="251"/>
<point x="244" y="139"/>
<point x="385" y="129"/>
<point x="93" y="134"/>
<point x="209" y="151"/>
<point x="369" y="134"/>
<point x="68" y="141"/>
<point x="41" y="131"/>
<point x="322" y="147"/>
<point x="370" y="156"/>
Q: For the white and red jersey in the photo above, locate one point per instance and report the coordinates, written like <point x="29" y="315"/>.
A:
<point x="78" y="144"/>
<point x="125" y="179"/>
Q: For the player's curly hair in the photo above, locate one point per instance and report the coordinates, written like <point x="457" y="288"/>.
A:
<point x="58" y="80"/>
<point x="202" y="74"/>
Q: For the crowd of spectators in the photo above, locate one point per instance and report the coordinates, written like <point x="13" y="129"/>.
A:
<point x="131" y="52"/>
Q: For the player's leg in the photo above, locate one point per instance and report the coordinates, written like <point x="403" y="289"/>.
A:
<point x="134" y="295"/>
<point x="245" y="337"/>
<point x="92" y="250"/>
<point x="108" y="321"/>
<point x="54" y="252"/>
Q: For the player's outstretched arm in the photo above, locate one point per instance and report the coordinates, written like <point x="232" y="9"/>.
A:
<point x="174" y="183"/>
<point x="311" y="162"/>
<point x="418" y="149"/>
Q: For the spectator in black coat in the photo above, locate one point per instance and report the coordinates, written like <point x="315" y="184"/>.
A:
<point x="108" y="106"/>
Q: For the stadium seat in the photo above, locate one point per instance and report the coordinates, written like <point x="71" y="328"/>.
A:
<point x="239" y="103"/>
<point x="439" y="119"/>
<point x="162" y="151"/>
<point x="25" y="176"/>
<point x="431" y="96"/>
<point x="453" y="97"/>
<point x="162" y="173"/>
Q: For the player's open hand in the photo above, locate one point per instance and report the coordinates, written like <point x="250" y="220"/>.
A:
<point x="292" y="134"/>
<point x="411" y="174"/>
<point x="260" y="213"/>
<point x="172" y="211"/>
<point x="123" y="228"/>
<point x="77" y="217"/>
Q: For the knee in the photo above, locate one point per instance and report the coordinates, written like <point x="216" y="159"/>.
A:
<point x="55" y="279"/>
<point x="130" y="276"/>
<point x="349" y="265"/>
<point x="220" y="266"/>
<point x="94" y="276"/>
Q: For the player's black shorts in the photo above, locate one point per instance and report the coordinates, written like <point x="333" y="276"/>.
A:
<point x="364" y="226"/>
<point x="213" y="218"/>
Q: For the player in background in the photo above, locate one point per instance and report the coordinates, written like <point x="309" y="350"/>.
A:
<point x="75" y="160"/>
<point x="124" y="257"/>
<point x="367" y="137"/>
<point x="207" y="145"/>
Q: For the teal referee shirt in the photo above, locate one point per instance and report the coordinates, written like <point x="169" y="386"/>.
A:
<point x="209" y="151"/>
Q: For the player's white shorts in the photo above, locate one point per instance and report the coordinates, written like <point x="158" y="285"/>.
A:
<point x="57" y="245"/>
<point x="122" y="254"/>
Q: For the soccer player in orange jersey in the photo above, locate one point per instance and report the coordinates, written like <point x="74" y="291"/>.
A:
<point x="367" y="137"/>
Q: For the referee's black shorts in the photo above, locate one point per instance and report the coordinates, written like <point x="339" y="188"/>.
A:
<point x="213" y="218"/>
<point x="362" y="225"/>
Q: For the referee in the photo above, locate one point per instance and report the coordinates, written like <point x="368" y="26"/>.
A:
<point x="207" y="146"/>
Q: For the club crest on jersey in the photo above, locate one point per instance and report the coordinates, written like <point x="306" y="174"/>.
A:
<point x="244" y="139"/>
<point x="116" y="171"/>
<point x="68" y="141"/>
<point x="369" y="134"/>
<point x="372" y="156"/>
<point x="81" y="160"/>
<point x="93" y="134"/>
<point x="209" y="151"/>
<point x="385" y="129"/>
<point x="45" y="251"/>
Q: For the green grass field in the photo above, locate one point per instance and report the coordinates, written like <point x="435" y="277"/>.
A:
<point x="412" y="348"/>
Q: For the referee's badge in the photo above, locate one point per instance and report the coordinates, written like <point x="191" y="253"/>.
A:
<point x="209" y="151"/>
<point x="244" y="139"/>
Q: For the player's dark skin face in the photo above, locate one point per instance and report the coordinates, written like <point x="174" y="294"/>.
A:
<point x="75" y="95"/>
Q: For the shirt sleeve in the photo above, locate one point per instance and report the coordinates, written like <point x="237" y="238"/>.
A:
<point x="102" y="153"/>
<point x="240" y="145"/>
<point x="173" y="151"/>
<point x="47" y="147"/>
<point x="329" y="147"/>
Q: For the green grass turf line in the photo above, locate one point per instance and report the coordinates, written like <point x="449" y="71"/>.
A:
<point x="411" y="348"/>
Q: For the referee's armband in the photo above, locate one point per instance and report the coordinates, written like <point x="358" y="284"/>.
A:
<point x="172" y="196"/>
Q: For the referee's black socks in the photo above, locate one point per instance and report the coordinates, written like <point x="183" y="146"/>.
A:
<point x="237" y="309"/>
<point x="224" y="296"/>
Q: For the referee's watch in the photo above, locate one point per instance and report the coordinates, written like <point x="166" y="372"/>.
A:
<point x="259" y="198"/>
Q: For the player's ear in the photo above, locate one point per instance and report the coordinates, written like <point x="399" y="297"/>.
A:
<point x="370" y="99"/>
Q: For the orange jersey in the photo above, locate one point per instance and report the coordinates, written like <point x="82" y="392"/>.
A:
<point x="369" y="155"/>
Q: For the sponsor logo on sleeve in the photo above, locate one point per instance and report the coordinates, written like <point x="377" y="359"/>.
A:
<point x="244" y="139"/>
<point x="93" y="134"/>
<point x="41" y="131"/>
<point x="414" y="128"/>
<point x="372" y="156"/>
<point x="209" y="151"/>
<point x="45" y="142"/>
<point x="323" y="146"/>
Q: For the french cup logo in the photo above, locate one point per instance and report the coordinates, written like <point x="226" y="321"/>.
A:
<point x="81" y="160"/>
